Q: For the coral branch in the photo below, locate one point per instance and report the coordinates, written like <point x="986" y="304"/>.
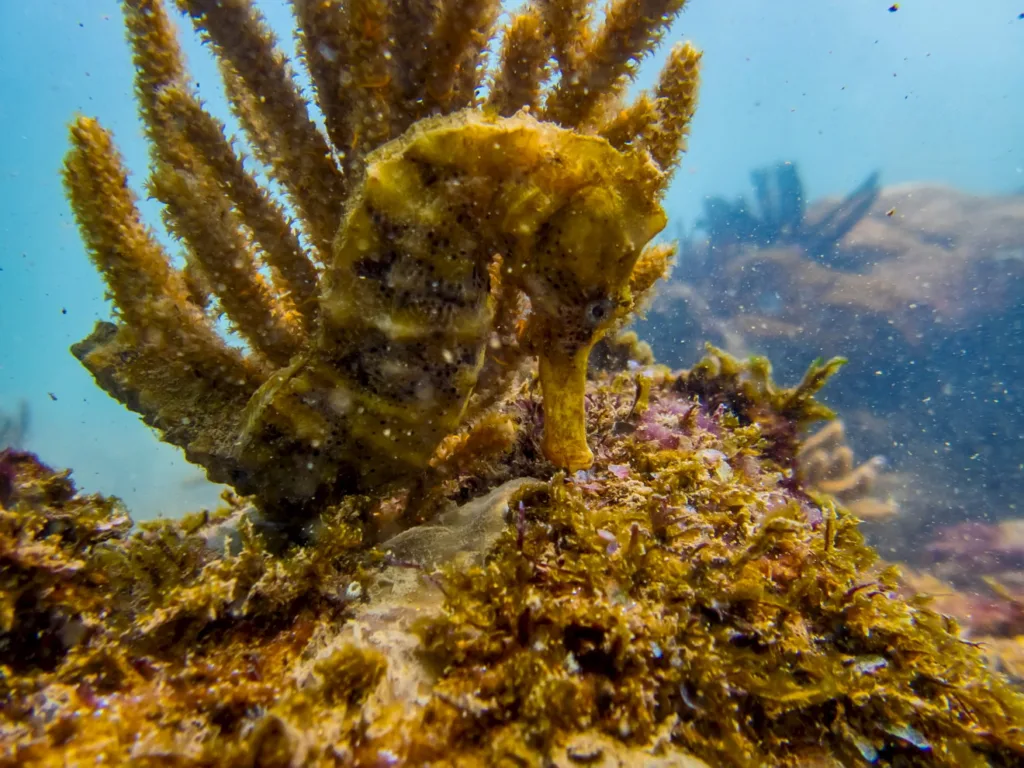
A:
<point x="455" y="54"/>
<point x="568" y="25"/>
<point x="185" y="138"/>
<point x="524" y="64"/>
<point x="676" y="95"/>
<point x="631" y="29"/>
<point x="630" y="124"/>
<point x="199" y="215"/>
<point x="148" y="292"/>
<point x="324" y="40"/>
<point x="155" y="53"/>
<point x="293" y="272"/>
<point x="412" y="22"/>
<point x="653" y="265"/>
<point x="165" y="361"/>
<point x="348" y="48"/>
<point x="267" y="98"/>
<point x="371" y="90"/>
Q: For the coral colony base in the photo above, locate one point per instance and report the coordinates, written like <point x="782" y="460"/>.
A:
<point x="440" y="553"/>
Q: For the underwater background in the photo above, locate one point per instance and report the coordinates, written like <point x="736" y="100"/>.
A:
<point x="469" y="518"/>
<point x="933" y="92"/>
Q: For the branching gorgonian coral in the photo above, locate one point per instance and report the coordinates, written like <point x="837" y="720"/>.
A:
<point x="429" y="223"/>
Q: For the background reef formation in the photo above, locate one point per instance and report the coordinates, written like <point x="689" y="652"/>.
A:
<point x="423" y="246"/>
<point x="923" y="285"/>
<point x="976" y="571"/>
<point x="920" y="285"/>
<point x="684" y="600"/>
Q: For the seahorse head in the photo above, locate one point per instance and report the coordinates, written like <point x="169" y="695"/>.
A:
<point x="599" y="208"/>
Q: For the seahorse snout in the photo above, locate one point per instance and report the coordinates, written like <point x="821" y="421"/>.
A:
<point x="563" y="379"/>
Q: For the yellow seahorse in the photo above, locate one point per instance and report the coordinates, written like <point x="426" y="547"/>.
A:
<point x="407" y="309"/>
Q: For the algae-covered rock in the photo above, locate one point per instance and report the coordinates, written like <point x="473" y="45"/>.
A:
<point x="685" y="600"/>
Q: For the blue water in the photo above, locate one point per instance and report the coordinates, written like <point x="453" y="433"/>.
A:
<point x="933" y="92"/>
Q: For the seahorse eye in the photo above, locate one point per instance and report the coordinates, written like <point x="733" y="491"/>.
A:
<point x="598" y="311"/>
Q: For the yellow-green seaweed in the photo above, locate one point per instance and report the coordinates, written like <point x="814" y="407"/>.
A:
<point x="681" y="601"/>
